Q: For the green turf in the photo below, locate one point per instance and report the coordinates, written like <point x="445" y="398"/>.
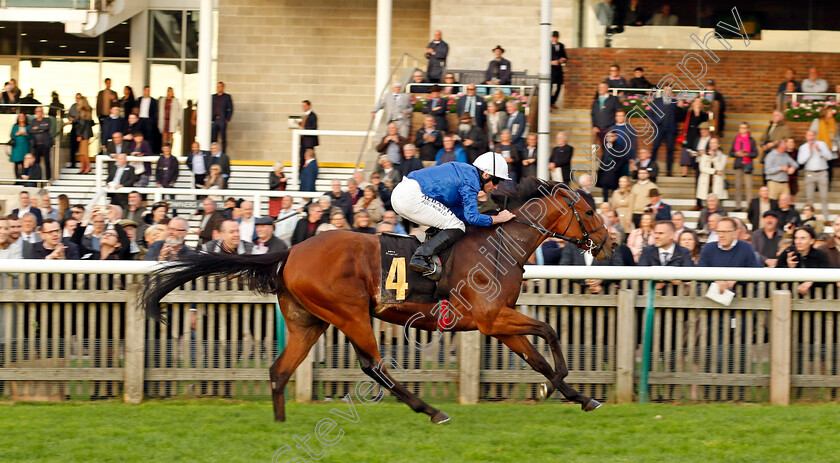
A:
<point x="215" y="430"/>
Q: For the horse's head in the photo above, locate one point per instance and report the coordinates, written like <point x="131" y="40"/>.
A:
<point x="560" y="212"/>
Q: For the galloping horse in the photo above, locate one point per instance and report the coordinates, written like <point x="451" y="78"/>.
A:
<point x="335" y="279"/>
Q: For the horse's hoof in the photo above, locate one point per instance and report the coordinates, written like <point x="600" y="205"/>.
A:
<point x="440" y="418"/>
<point x="543" y="391"/>
<point x="591" y="405"/>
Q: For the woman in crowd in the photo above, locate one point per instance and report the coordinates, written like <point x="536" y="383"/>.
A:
<point x="807" y="219"/>
<point x="744" y="150"/>
<point x="803" y="255"/>
<point x="169" y="115"/>
<point x="511" y="155"/>
<point x="371" y="203"/>
<point x="828" y="131"/>
<point x="84" y="132"/>
<point x="113" y="243"/>
<point x="157" y="215"/>
<point x="20" y="140"/>
<point x="499" y="100"/>
<point x="214" y="180"/>
<point x="276" y="182"/>
<point x="622" y="202"/>
<point x="448" y="85"/>
<point x="127" y="102"/>
<point x="696" y="116"/>
<point x="361" y="222"/>
<point x="8" y="248"/>
<point x="712" y="168"/>
<point x="688" y="239"/>
<point x="64" y="210"/>
<point x="642" y="236"/>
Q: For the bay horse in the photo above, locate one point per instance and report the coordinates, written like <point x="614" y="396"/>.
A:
<point x="335" y="278"/>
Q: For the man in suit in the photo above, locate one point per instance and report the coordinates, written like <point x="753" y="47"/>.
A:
<point x="111" y="125"/>
<point x="229" y="242"/>
<point x="397" y="106"/>
<point x="644" y="161"/>
<point x="117" y="145"/>
<point x="429" y="140"/>
<point x="41" y="130"/>
<point x="211" y="219"/>
<point x="51" y="247"/>
<point x="30" y="171"/>
<point x="222" y="113"/>
<point x="309" y="173"/>
<point x="25" y="206"/>
<point x="436" y="52"/>
<point x="474" y="105"/>
<point x="28" y="232"/>
<point x="516" y="123"/>
<point x="661" y="210"/>
<point x="198" y="162"/>
<point x="558" y="57"/>
<point x="664" y="115"/>
<point x="220" y="158"/>
<point x="305" y="229"/>
<point x="266" y="241"/>
<point x="603" y="112"/>
<point x="436" y="107"/>
<point x="309" y="122"/>
<point x="471" y="138"/>
<point x="664" y="251"/>
<point x="120" y="175"/>
<point x="498" y="71"/>
<point x="149" y="118"/>
<point x="105" y="99"/>
<point x="760" y="205"/>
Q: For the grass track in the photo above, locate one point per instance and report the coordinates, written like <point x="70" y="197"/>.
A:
<point x="213" y="430"/>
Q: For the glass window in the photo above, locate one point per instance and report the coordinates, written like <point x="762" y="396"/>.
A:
<point x="117" y="41"/>
<point x="120" y="74"/>
<point x="163" y="75"/>
<point x="192" y="35"/>
<point x="166" y="32"/>
<point x="8" y="38"/>
<point x="85" y="79"/>
<point x="49" y="39"/>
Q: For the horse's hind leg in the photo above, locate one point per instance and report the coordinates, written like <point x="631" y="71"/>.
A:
<point x="304" y="331"/>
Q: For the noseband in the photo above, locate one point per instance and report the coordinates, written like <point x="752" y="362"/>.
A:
<point x="585" y="240"/>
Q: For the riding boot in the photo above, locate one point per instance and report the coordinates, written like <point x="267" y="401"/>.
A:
<point x="422" y="260"/>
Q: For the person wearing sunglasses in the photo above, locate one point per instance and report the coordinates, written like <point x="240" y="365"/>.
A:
<point x="445" y="197"/>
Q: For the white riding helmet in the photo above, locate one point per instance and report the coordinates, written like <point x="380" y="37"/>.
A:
<point x="492" y="163"/>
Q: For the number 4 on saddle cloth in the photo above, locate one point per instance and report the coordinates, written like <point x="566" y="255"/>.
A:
<point x="400" y="283"/>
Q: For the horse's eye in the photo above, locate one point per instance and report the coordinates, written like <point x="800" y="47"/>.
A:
<point x="590" y="212"/>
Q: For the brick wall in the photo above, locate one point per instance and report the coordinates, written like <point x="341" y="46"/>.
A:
<point x="748" y="80"/>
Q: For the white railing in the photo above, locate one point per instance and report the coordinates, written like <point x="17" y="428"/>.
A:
<point x="794" y="96"/>
<point x="294" y="177"/>
<point x="522" y="88"/>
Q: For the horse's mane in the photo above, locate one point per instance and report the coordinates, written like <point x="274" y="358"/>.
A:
<point x="511" y="195"/>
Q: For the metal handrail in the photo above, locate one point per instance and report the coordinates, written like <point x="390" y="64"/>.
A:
<point x="477" y="86"/>
<point x="795" y="95"/>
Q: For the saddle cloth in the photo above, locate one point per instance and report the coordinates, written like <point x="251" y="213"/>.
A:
<point x="399" y="283"/>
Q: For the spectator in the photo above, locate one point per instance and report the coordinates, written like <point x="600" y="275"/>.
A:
<point x="105" y="100"/>
<point x="717" y="104"/>
<point x="777" y="169"/>
<point x="41" y="130"/>
<point x="47" y="211"/>
<point x="127" y="102"/>
<point x="172" y="247"/>
<point x="392" y="144"/>
<point x="603" y="112"/>
<point x="640" y="195"/>
<point x="418" y="78"/>
<point x="664" y="17"/>
<point x="391" y="217"/>
<point x="20" y="142"/>
<point x="211" y="219"/>
<point x="133" y="127"/>
<point x="585" y="189"/>
<point x="216" y="180"/>
<point x="792" y="150"/>
<point x="619" y="149"/>
<point x="247" y="222"/>
<point x="305" y="229"/>
<point x="222" y="114"/>
<point x="760" y="205"/>
<point x="727" y="252"/>
<point x="788" y="215"/>
<point x="448" y="87"/>
<point x="784" y="100"/>
<point x="198" y="162"/>
<point x="495" y="124"/>
<point x="338" y="221"/>
<point x="288" y="219"/>
<point x="120" y="175"/>
<point x="341" y="199"/>
<point x="407" y="166"/>
<point x="169" y="116"/>
<point x="828" y="132"/>
<point x="26" y="207"/>
<point x="276" y="182"/>
<point x="776" y="134"/>
<point x="389" y="174"/>
<point x="790" y="76"/>
<point x="510" y="152"/>
<point x="110" y="244"/>
<point x="450" y="152"/>
<point x="28" y="230"/>
<point x="158" y="215"/>
<point x="30" y="171"/>
<point x="614" y="79"/>
<point x="558" y="58"/>
<point x="688" y="240"/>
<point x="700" y="146"/>
<point x="166" y="173"/>
<point x="808" y="219"/>
<point x="744" y="150"/>
<point x="429" y="140"/>
<point x="516" y="123"/>
<point x="572" y="255"/>
<point x="665" y="116"/>
<point x="130" y="229"/>
<point x="11" y="93"/>
<point x="148" y="117"/>
<point x="711" y="166"/>
<point x="606" y="14"/>
<point x="9" y="248"/>
<point x="641" y="236"/>
<point x="474" y="105"/>
<point x="309" y="174"/>
<point x="694" y="119"/>
<point x="384" y="227"/>
<point x="437" y="108"/>
<point x="436" y="52"/>
<point x="766" y="239"/>
<point x="713" y="206"/>
<point x="678" y="219"/>
<point x="660" y="210"/>
<point x="804" y="255"/>
<point x="814" y="84"/>
<point x="118" y="144"/>
<point x="639" y="81"/>
<point x="529" y="157"/>
<point x="622" y="203"/>
<point x="266" y="241"/>
<point x="111" y="125"/>
<point x="813" y="156"/>
<point x="832" y="246"/>
<point x="141" y="148"/>
<point x="499" y="70"/>
<point x="84" y="132"/>
<point x="625" y="255"/>
<point x="371" y="203"/>
<point x="229" y="241"/>
<point x="361" y="222"/>
<point x="15" y="229"/>
<point x="135" y="210"/>
<point x="359" y="178"/>
<point x="471" y="138"/>
<point x="561" y="158"/>
<point x="664" y="251"/>
<point x="612" y="221"/>
<point x="221" y="159"/>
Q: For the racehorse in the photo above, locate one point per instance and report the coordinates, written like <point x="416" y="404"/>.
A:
<point x="335" y="279"/>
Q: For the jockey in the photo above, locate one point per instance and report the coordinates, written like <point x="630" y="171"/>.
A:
<point x="444" y="197"/>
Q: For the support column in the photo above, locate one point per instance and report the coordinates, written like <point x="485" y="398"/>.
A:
<point x="544" y="114"/>
<point x="135" y="344"/>
<point x="139" y="43"/>
<point x="625" y="347"/>
<point x="383" y="46"/>
<point x="469" y="367"/>
<point x="780" y="346"/>
<point x="205" y="77"/>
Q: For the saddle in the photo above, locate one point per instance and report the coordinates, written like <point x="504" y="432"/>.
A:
<point x="400" y="284"/>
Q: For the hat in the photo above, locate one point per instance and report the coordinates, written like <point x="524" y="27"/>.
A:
<point x="710" y="82"/>
<point x="705" y="125"/>
<point x="555" y="34"/>
<point x="128" y="223"/>
<point x="639" y="68"/>
<point x="264" y="221"/>
<point x="770" y="213"/>
<point x="653" y="192"/>
<point x="435" y="88"/>
<point x="498" y="47"/>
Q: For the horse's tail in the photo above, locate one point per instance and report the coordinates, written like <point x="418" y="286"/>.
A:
<point x="262" y="273"/>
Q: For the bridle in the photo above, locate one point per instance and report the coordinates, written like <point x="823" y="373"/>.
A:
<point x="585" y="240"/>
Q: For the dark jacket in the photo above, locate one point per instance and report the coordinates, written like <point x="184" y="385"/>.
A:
<point x="438" y="112"/>
<point x="123" y="253"/>
<point x="206" y="233"/>
<point x="479" y="145"/>
<point x="501" y="69"/>
<point x="681" y="257"/>
<point x="166" y="172"/>
<point x="154" y="251"/>
<point x="343" y="202"/>
<point x="310" y="123"/>
<point x="437" y="62"/>
<point x="223" y="161"/>
<point x="557" y="70"/>
<point x="128" y="175"/>
<point x="604" y="118"/>
<point x="408" y="166"/>
<point x="754" y="211"/>
<point x="301" y="232"/>
<point x="516" y="124"/>
<point x="111" y="148"/>
<point x="109" y="126"/>
<point x="814" y="259"/>
<point x="308" y="176"/>
<point x="664" y="115"/>
<point x="739" y="162"/>
<point x="480" y="106"/>
<point x="704" y="216"/>
<point x="428" y="151"/>
<point x="38" y="251"/>
<point x="205" y="155"/>
<point x="34" y="173"/>
<point x="34" y="210"/>
<point x="789" y="216"/>
<point x="663" y="212"/>
<point x="226" y="108"/>
<point x="41" y="131"/>
<point x="652" y="168"/>
<point x="274" y="244"/>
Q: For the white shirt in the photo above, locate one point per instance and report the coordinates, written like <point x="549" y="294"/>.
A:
<point x="670" y="253"/>
<point x="23" y="211"/>
<point x="29" y="237"/>
<point x="117" y="176"/>
<point x="816" y="161"/>
<point x="731" y="246"/>
<point x="283" y="229"/>
<point x="198" y="167"/>
<point x="144" y="107"/>
<point x="246" y="229"/>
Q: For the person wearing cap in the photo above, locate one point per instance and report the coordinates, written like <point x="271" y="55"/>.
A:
<point x="470" y="137"/>
<point x="266" y="241"/>
<point x="778" y="166"/>
<point x="558" y="57"/>
<point x="436" y="52"/>
<point x="660" y="210"/>
<point x="445" y="197"/>
<point x="436" y="107"/>
<point x="766" y="239"/>
<point x="130" y="228"/>
<point x="498" y="71"/>
<point x="718" y="104"/>
<point x="639" y="80"/>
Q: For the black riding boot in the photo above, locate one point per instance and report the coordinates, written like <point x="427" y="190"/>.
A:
<point x="422" y="262"/>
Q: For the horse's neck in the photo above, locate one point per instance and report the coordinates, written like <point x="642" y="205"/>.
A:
<point x="512" y="237"/>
